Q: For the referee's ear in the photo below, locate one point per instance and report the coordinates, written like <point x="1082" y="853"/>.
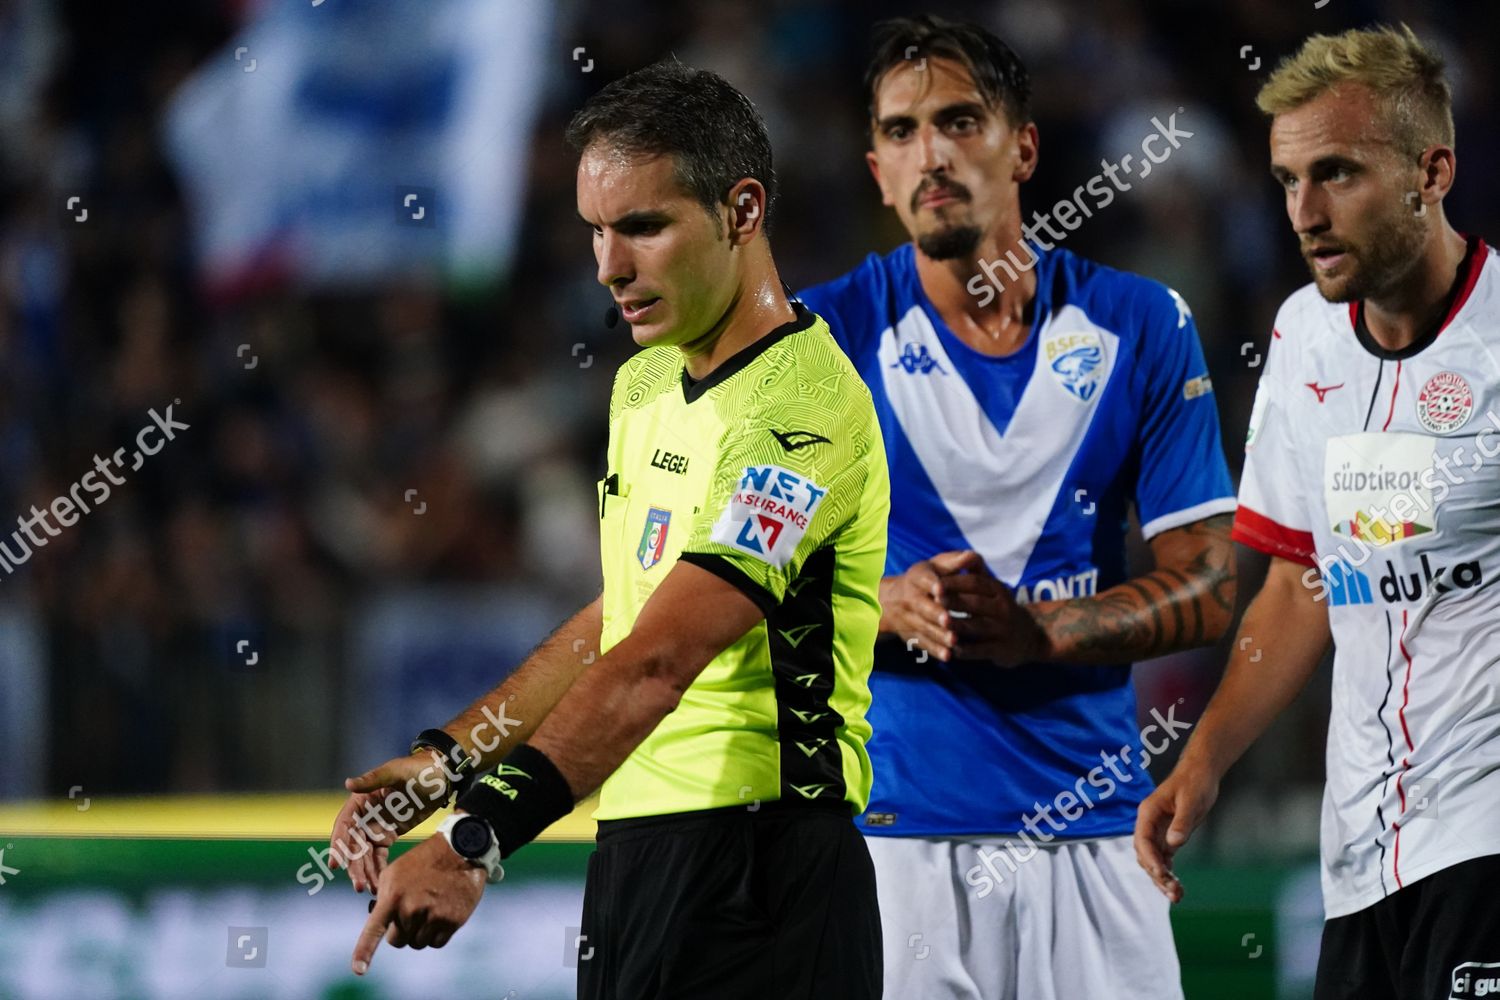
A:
<point x="747" y="210"/>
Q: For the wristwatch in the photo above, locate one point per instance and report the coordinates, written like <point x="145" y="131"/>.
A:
<point x="472" y="839"/>
<point x="462" y="764"/>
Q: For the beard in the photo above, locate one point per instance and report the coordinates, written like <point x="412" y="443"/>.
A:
<point x="950" y="242"/>
<point x="1380" y="262"/>
<point x="956" y="237"/>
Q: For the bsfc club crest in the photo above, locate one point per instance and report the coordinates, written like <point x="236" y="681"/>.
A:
<point x="1077" y="362"/>
<point x="653" y="537"/>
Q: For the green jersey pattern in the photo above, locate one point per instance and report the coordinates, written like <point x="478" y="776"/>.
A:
<point x="771" y="474"/>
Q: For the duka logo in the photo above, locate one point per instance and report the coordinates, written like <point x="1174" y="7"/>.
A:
<point x="1410" y="587"/>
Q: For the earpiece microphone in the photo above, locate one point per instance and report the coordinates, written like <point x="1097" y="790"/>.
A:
<point x="611" y="317"/>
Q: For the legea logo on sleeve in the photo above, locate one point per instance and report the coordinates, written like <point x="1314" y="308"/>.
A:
<point x="769" y="513"/>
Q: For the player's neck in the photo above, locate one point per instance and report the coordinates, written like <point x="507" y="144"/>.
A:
<point x="760" y="307"/>
<point x="1401" y="316"/>
<point x="976" y="296"/>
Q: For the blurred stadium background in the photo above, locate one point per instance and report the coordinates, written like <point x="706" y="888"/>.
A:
<point x="338" y="237"/>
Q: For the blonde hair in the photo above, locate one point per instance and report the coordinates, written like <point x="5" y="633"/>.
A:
<point x="1405" y="75"/>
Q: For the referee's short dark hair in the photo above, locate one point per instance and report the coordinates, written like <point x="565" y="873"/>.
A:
<point x="714" y="133"/>
<point x="997" y="72"/>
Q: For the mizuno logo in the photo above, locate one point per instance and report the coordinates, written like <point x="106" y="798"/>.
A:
<point x="796" y="635"/>
<point x="793" y="440"/>
<point x="809" y="751"/>
<point x="810" y="791"/>
<point x="807" y="718"/>
<point x="1323" y="390"/>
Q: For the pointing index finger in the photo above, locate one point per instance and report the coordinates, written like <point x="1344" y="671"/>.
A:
<point x="369" y="938"/>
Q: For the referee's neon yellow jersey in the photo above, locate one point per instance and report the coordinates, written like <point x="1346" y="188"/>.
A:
<point x="769" y="473"/>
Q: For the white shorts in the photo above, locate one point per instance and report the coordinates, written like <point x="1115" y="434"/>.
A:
<point x="975" y="918"/>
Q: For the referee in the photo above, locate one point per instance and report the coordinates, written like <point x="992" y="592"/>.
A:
<point x="742" y="526"/>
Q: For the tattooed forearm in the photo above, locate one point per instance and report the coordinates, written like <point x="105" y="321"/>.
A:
<point x="1186" y="602"/>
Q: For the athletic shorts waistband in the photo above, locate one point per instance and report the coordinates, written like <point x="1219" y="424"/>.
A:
<point x="611" y="828"/>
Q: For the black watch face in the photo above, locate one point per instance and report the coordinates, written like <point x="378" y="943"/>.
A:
<point x="471" y="837"/>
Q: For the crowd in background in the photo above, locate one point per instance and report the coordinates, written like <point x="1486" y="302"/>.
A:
<point x="313" y="417"/>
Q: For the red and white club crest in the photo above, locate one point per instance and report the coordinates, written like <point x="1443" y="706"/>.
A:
<point x="1445" y="403"/>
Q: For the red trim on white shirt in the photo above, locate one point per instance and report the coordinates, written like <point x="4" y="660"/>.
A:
<point x="1274" y="539"/>
<point x="1396" y="858"/>
<point x="1476" y="266"/>
<point x="1395" y="388"/>
<point x="1410" y="746"/>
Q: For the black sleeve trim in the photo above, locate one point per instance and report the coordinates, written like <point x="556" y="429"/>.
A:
<point x="693" y="389"/>
<point x="734" y="576"/>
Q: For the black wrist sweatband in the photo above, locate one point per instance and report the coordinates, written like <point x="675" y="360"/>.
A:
<point x="520" y="798"/>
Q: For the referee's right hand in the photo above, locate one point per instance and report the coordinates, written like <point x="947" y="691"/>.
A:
<point x="386" y="802"/>
<point x="911" y="605"/>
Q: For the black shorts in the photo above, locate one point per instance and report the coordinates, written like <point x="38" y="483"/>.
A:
<point x="726" y="903"/>
<point x="1437" y="938"/>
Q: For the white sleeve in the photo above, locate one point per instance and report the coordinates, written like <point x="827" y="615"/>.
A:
<point x="1273" y="514"/>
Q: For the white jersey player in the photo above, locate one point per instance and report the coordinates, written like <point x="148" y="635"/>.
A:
<point x="1372" y="478"/>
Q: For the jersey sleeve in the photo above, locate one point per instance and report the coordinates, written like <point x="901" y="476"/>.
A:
<point x="785" y="485"/>
<point x="1273" y="515"/>
<point x="1181" y="476"/>
<point x="850" y="304"/>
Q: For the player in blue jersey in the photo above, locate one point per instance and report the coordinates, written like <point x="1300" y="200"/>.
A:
<point x="1028" y="398"/>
